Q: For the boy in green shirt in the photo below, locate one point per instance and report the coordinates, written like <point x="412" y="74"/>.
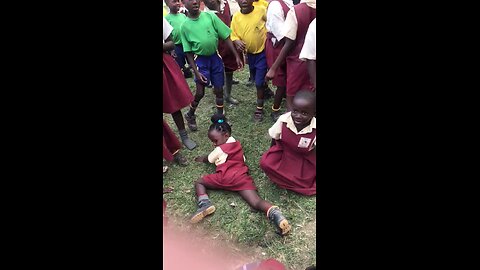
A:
<point x="200" y="33"/>
<point x="176" y="19"/>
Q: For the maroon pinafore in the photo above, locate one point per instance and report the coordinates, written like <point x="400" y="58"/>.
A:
<point x="233" y="174"/>
<point x="228" y="57"/>
<point x="291" y="163"/>
<point x="170" y="142"/>
<point x="176" y="93"/>
<point x="272" y="53"/>
<point x="297" y="73"/>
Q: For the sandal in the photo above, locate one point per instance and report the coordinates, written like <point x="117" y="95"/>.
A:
<point x="180" y="160"/>
<point x="258" y="116"/>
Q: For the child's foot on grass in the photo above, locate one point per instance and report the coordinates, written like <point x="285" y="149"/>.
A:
<point x="275" y="115"/>
<point x="205" y="208"/>
<point x="281" y="223"/>
<point x="258" y="116"/>
<point x="191" y="122"/>
<point x="180" y="160"/>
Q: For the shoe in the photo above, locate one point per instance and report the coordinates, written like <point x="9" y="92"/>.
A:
<point x="268" y="93"/>
<point x="165" y="169"/>
<point x="281" y="223"/>
<point x="235" y="82"/>
<point x="187" y="73"/>
<point x="180" y="160"/>
<point x="189" y="143"/>
<point x="275" y="115"/>
<point x="205" y="208"/>
<point x="191" y="122"/>
<point x="258" y="116"/>
<point x="231" y="100"/>
<point x="209" y="86"/>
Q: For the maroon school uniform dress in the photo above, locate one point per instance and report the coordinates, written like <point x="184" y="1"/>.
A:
<point x="176" y="93"/>
<point x="290" y="166"/>
<point x="233" y="174"/>
<point x="297" y="73"/>
<point x="280" y="78"/>
<point x="171" y="144"/>
<point x="227" y="56"/>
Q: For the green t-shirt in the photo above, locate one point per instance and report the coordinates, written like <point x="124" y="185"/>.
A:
<point x="200" y="36"/>
<point x="176" y="20"/>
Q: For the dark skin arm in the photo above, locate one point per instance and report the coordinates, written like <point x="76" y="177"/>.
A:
<point x="168" y="45"/>
<point x="312" y="69"/>
<point x="281" y="57"/>
<point x="191" y="62"/>
<point x="229" y="43"/>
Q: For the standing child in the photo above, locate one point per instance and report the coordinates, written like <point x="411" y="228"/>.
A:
<point x="171" y="146"/>
<point x="200" y="34"/>
<point x="175" y="18"/>
<point x="276" y="12"/>
<point x="296" y="25"/>
<point x="231" y="174"/>
<point x="222" y="9"/>
<point x="176" y="93"/>
<point x="249" y="34"/>
<point x="309" y="52"/>
<point x="291" y="162"/>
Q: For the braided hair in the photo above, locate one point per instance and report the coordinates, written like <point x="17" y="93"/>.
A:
<point x="219" y="123"/>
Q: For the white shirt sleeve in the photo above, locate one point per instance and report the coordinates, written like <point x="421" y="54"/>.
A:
<point x="309" y="49"/>
<point x="275" y="20"/>
<point x="167" y="29"/>
<point x="290" y="25"/>
<point x="276" y="130"/>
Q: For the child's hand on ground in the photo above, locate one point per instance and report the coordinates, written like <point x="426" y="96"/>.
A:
<point x="202" y="159"/>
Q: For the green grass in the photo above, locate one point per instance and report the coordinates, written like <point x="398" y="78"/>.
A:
<point x="248" y="230"/>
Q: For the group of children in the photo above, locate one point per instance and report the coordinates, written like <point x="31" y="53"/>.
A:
<point x="278" y="40"/>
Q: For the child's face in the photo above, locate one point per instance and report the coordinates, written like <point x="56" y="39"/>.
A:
<point x="174" y="5"/>
<point x="193" y="6"/>
<point x="217" y="137"/>
<point x="245" y="3"/>
<point x="303" y="110"/>
<point x="211" y="4"/>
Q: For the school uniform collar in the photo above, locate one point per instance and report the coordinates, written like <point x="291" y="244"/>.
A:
<point x="310" y="3"/>
<point x="287" y="118"/>
<point x="222" y="7"/>
<point x="231" y="140"/>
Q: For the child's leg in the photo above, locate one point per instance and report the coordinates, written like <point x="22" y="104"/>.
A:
<point x="273" y="213"/>
<point x="218" y="91"/>
<point x="178" y="118"/>
<point x="217" y="72"/>
<point x="190" y="115"/>
<point x="228" y="88"/>
<point x="205" y="207"/>
<point x="277" y="101"/>
<point x="259" y="62"/>
<point x="289" y="103"/>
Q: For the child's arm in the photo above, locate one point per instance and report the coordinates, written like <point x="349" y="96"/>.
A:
<point x="168" y="45"/>
<point x="203" y="159"/>
<point x="281" y="57"/>
<point x="237" y="57"/>
<point x="312" y="69"/>
<point x="191" y="62"/>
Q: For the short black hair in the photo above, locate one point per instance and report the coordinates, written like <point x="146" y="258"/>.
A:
<point x="308" y="95"/>
<point x="220" y="124"/>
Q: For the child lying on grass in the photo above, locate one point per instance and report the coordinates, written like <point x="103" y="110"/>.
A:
<point x="231" y="174"/>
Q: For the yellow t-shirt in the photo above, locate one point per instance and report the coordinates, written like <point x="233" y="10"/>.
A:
<point x="250" y="28"/>
<point x="263" y="3"/>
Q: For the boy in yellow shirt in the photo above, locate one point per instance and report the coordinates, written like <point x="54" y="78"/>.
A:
<point x="249" y="34"/>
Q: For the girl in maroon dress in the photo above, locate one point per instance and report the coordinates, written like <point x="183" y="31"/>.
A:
<point x="231" y="174"/>
<point x="172" y="146"/>
<point x="176" y="93"/>
<point x="291" y="162"/>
